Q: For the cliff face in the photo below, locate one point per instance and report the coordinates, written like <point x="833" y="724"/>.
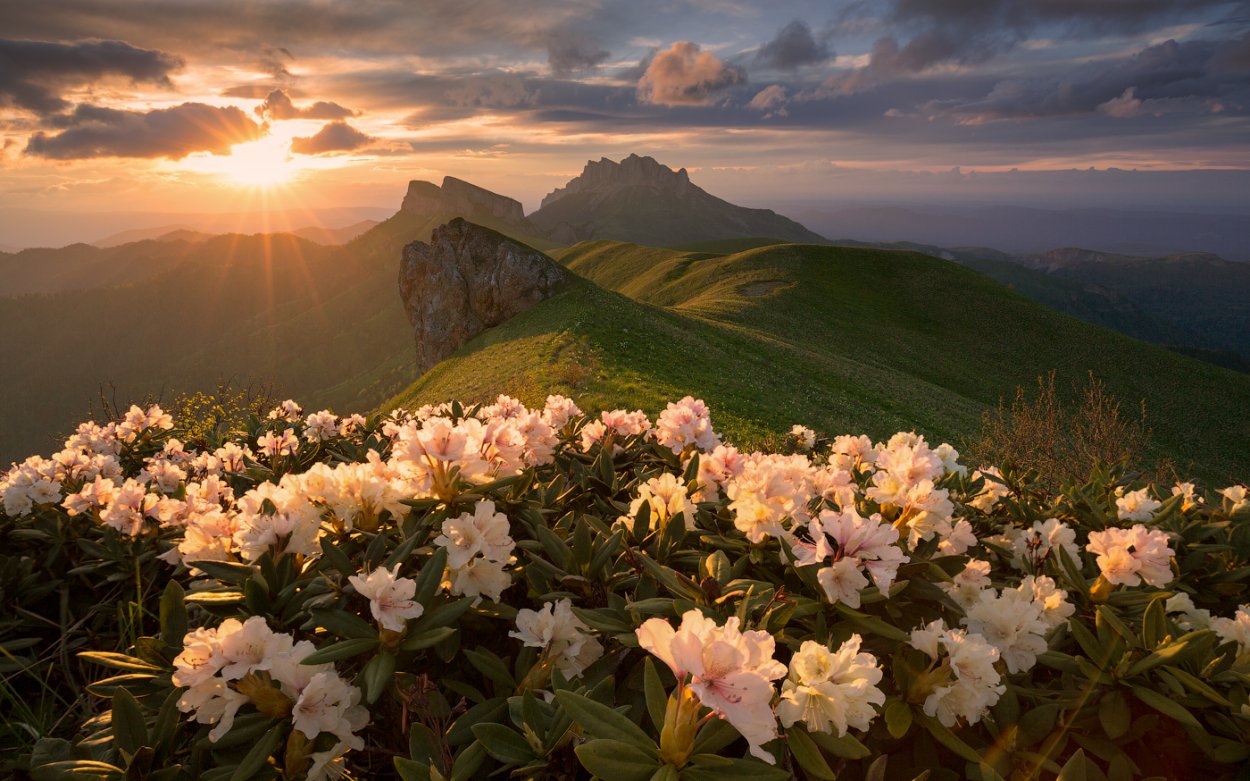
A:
<point x="457" y="196"/>
<point x="465" y="280"/>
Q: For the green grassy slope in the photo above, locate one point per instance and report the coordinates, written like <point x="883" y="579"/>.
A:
<point x="846" y="340"/>
<point x="322" y="324"/>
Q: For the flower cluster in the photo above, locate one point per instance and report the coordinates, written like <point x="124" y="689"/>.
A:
<point x="965" y="683"/>
<point x="478" y="549"/>
<point x="850" y="545"/>
<point x="831" y="690"/>
<point x="565" y="641"/>
<point x="1130" y="556"/>
<point x="242" y="663"/>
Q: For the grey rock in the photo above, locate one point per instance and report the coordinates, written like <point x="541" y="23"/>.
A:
<point x="465" y="280"/>
<point x="457" y="196"/>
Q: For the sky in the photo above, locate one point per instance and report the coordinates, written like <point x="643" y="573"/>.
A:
<point x="219" y="105"/>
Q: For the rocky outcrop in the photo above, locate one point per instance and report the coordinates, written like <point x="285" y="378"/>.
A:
<point x="457" y="196"/>
<point x="600" y="178"/>
<point x="465" y="280"/>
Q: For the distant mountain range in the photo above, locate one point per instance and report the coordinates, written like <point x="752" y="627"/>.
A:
<point x="1021" y="230"/>
<point x="315" y="233"/>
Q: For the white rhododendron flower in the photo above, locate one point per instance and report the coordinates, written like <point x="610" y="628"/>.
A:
<point x="558" y="411"/>
<point x="972" y="684"/>
<point x="1190" y="493"/>
<point x="717" y="468"/>
<point x="1236" y="498"/>
<point x="846" y="545"/>
<point x="686" y="423"/>
<point x="560" y="634"/>
<point x="1052" y="600"/>
<point x="853" y="453"/>
<point x="483" y="532"/>
<point x="804" y="437"/>
<point x="217" y="665"/>
<point x="991" y="492"/>
<point x="1011" y="621"/>
<point x="1130" y="556"/>
<point x="769" y="491"/>
<point x="288" y="410"/>
<point x="390" y="597"/>
<point x="1235" y="629"/>
<point x="958" y="539"/>
<point x="831" y="691"/>
<point x="666" y="498"/>
<point x="321" y="426"/>
<point x="273" y="444"/>
<point x="1137" y="505"/>
<point x="966" y="587"/>
<point x="730" y="671"/>
<point x="1190" y="617"/>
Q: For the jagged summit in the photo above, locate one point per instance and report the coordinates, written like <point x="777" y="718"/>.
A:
<point x="461" y="198"/>
<point x="599" y="178"/>
<point x="645" y="202"/>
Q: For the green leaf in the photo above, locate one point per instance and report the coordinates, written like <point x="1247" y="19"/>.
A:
<point x="344" y="649"/>
<point x="666" y="773"/>
<point x="468" y="762"/>
<point x="1074" y="768"/>
<point x="130" y="733"/>
<point x="259" y="755"/>
<point x="375" y="677"/>
<point x="214" y="597"/>
<point x="1154" y="625"/>
<point x="409" y="770"/>
<point x="428" y="638"/>
<point x="461" y="731"/>
<point x="343" y="623"/>
<point x="120" y="661"/>
<point x="1114" y="714"/>
<point x="1160" y="656"/>
<point x="710" y="767"/>
<point x="846" y="747"/>
<point x="1198" y="686"/>
<point x="613" y="760"/>
<point x="714" y="736"/>
<point x="173" y="614"/>
<point x="76" y="768"/>
<point x="949" y="739"/>
<point x="230" y="572"/>
<point x="808" y="755"/>
<point x="504" y="744"/>
<point x="1167" y="706"/>
<point x="491" y="666"/>
<point x="657" y="697"/>
<point x="430" y="576"/>
<point x="897" y="718"/>
<point x="603" y="722"/>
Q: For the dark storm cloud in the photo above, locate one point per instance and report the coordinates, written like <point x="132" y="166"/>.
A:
<point x="1170" y="76"/>
<point x="278" y="105"/>
<point x="685" y="75"/>
<point x="94" y="131"/>
<point x="32" y="73"/>
<point x="793" y="47"/>
<point x="926" y="33"/>
<point x="333" y="137"/>
<point x="567" y="53"/>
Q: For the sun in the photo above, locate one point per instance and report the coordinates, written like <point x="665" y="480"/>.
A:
<point x="263" y="163"/>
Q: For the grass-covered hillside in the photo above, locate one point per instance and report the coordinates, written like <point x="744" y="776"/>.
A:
<point x="837" y="338"/>
<point x="323" y="324"/>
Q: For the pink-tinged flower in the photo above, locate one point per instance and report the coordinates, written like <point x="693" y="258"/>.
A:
<point x="561" y="635"/>
<point x="390" y="597"/>
<point x="730" y="671"/>
<point x="1130" y="556"/>
<point x="273" y="444"/>
<point x="684" y="423"/>
<point x="1137" y="505"/>
<point x="846" y="545"/>
<point x="329" y="704"/>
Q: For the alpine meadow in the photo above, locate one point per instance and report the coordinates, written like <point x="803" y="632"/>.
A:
<point x="624" y="391"/>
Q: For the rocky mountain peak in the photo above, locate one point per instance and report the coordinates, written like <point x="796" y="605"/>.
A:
<point x="459" y="197"/>
<point x="604" y="176"/>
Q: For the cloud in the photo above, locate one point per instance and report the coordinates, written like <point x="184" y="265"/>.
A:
<point x="793" y="47"/>
<point x="495" y="90"/>
<point x="566" y="54"/>
<point x="278" y="105"/>
<point x="333" y="137"/>
<point x="1126" y="106"/>
<point x="257" y="91"/>
<point x="94" y="131"/>
<point x="772" y="100"/>
<point x="685" y="75"/>
<point x="1163" y="78"/>
<point x="32" y="73"/>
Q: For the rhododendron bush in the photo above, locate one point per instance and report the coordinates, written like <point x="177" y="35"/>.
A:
<point x="462" y="592"/>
